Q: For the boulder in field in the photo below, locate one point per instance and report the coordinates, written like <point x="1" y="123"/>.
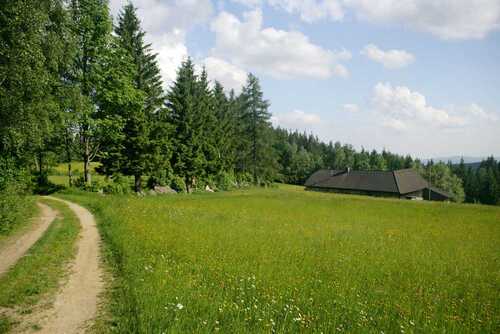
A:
<point x="164" y="190"/>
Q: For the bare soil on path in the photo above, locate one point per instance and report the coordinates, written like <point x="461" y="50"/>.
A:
<point x="76" y="303"/>
<point x="16" y="247"/>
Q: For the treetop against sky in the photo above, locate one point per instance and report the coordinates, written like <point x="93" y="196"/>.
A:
<point x="380" y="76"/>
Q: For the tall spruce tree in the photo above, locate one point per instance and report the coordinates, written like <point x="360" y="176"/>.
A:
<point x="188" y="159"/>
<point x="209" y="124"/>
<point x="124" y="126"/>
<point x="142" y="125"/>
<point x="225" y="132"/>
<point x="147" y="77"/>
<point x="257" y="158"/>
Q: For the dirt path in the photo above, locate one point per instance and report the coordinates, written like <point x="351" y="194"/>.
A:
<point x="16" y="247"/>
<point x="76" y="303"/>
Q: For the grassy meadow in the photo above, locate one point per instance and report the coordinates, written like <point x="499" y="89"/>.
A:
<point x="59" y="173"/>
<point x="286" y="260"/>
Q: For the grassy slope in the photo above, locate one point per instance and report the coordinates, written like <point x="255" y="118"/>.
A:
<point x="40" y="271"/>
<point x="288" y="260"/>
<point x="59" y="173"/>
<point x="25" y="208"/>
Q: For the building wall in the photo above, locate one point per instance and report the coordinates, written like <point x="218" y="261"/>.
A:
<point x="435" y="196"/>
<point x="354" y="192"/>
<point x="419" y="194"/>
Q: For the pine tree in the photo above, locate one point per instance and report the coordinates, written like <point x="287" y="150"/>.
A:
<point x="208" y="124"/>
<point x="188" y="159"/>
<point x="142" y="146"/>
<point x="124" y="125"/>
<point x="226" y="131"/>
<point x="257" y="157"/>
<point x="147" y="77"/>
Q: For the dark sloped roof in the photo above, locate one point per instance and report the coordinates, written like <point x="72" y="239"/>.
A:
<point x="400" y="182"/>
<point x="440" y="192"/>
<point x="409" y="181"/>
<point x="320" y="175"/>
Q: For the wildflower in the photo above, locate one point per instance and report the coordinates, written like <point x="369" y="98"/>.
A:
<point x="180" y="306"/>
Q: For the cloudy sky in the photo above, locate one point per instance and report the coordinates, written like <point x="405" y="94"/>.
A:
<point x="412" y="76"/>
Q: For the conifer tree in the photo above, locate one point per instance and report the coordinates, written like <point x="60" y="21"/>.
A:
<point x="257" y="158"/>
<point x="121" y="118"/>
<point x="187" y="154"/>
<point x="143" y="129"/>
<point x="225" y="133"/>
<point x="147" y="77"/>
<point x="208" y="124"/>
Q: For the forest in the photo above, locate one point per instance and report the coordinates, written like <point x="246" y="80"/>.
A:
<point x="78" y="85"/>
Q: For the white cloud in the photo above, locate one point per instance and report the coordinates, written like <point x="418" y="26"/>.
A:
<point x="166" y="24"/>
<point x="249" y="3"/>
<point x="229" y="75"/>
<point x="308" y="10"/>
<point x="399" y="105"/>
<point x="162" y="16"/>
<point x="279" y="53"/>
<point x="311" y="10"/>
<point x="391" y="59"/>
<point x="394" y="124"/>
<point x="350" y="108"/>
<point x="477" y="112"/>
<point x="171" y="52"/>
<point x="447" y="19"/>
<point x="296" y="120"/>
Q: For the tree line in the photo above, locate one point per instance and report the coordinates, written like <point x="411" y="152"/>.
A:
<point x="75" y="86"/>
<point x="482" y="182"/>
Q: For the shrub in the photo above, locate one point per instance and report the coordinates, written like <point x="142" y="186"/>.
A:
<point x="177" y="183"/>
<point x="118" y="184"/>
<point x="244" y="180"/>
<point x="226" y="181"/>
<point x="14" y="185"/>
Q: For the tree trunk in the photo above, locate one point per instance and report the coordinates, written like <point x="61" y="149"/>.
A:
<point x="70" y="175"/>
<point x="86" y="163"/>
<point x="137" y="183"/>
<point x="40" y="169"/>
<point x="69" y="158"/>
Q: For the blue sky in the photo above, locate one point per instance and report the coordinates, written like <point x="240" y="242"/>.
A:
<point x="416" y="77"/>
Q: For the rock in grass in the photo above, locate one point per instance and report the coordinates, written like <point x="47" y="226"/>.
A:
<point x="164" y="190"/>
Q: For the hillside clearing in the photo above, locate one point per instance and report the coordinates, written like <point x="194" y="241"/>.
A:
<point x="285" y="260"/>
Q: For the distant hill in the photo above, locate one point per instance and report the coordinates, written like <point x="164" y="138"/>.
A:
<point x="473" y="165"/>
<point x="456" y="159"/>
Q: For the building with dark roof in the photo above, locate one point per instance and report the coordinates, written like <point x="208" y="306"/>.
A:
<point x="404" y="183"/>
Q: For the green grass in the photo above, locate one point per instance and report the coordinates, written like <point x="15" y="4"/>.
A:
<point x="59" y="174"/>
<point x="76" y="167"/>
<point x="22" y="208"/>
<point x="284" y="260"/>
<point x="39" y="272"/>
